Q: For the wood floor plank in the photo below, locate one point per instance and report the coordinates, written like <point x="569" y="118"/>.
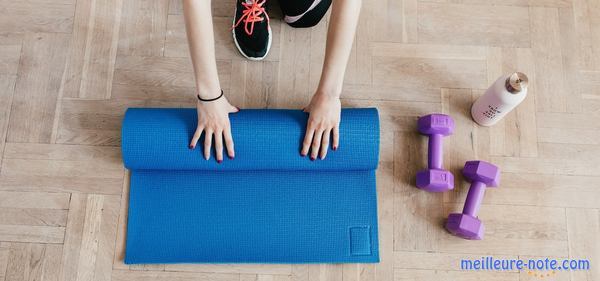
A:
<point x="584" y="229"/>
<point x="143" y="28"/>
<point x="264" y="277"/>
<point x="99" y="122"/>
<point x="569" y="166"/>
<point x="424" y="275"/>
<point x="565" y="121"/>
<point x="529" y="3"/>
<point x="123" y="92"/>
<point x="93" y="49"/>
<point x="36" y="16"/>
<point x="126" y="275"/>
<point x="9" y="58"/>
<point x="4" y="250"/>
<point x="457" y="24"/>
<point x="428" y="73"/>
<point x="385" y="195"/>
<point x="394" y="21"/>
<point x="417" y="213"/>
<point x="391" y="93"/>
<point x="73" y="237"/>
<point x="45" y="167"/>
<point x="33" y="262"/>
<point x="36" y="91"/>
<point x="32" y="233"/>
<point x="569" y="135"/>
<point x="552" y="92"/>
<point x="42" y="200"/>
<point x="589" y="86"/>
<point x="121" y="232"/>
<point x="7" y="87"/>
<point x="586" y="27"/>
<point x="293" y="86"/>
<point x="283" y="269"/>
<point x="436" y="261"/>
<point x="429" y="51"/>
<point x="571" y="57"/>
<point x="90" y="239"/>
<point x="225" y="8"/>
<point x="44" y="217"/>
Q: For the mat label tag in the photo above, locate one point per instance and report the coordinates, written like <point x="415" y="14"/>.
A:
<point x="360" y="240"/>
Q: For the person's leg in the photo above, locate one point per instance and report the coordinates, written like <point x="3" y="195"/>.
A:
<point x="251" y="30"/>
<point x="304" y="13"/>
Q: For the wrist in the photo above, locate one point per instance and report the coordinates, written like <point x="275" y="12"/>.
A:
<point x="208" y="92"/>
<point x="329" y="92"/>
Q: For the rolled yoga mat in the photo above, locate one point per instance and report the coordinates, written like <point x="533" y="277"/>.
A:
<point x="268" y="205"/>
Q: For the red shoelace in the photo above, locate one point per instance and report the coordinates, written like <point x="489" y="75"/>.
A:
<point x="251" y="14"/>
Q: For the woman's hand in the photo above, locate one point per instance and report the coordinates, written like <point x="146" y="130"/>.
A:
<point x="213" y="119"/>
<point x="323" y="122"/>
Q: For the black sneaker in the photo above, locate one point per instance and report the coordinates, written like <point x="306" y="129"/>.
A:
<point x="251" y="30"/>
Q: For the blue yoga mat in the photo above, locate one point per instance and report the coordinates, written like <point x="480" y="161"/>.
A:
<point x="268" y="205"/>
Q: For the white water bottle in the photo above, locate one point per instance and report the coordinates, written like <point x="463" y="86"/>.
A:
<point x="500" y="98"/>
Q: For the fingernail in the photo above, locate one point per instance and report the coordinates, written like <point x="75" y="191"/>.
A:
<point x="191" y="146"/>
<point x="219" y="161"/>
<point x="230" y="157"/>
<point x="238" y="108"/>
<point x="334" y="148"/>
<point x="312" y="158"/>
<point x="302" y="154"/>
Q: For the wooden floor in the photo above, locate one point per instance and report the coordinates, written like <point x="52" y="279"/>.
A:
<point x="69" y="69"/>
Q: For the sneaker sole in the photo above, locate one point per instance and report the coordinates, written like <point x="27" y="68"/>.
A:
<point x="240" y="49"/>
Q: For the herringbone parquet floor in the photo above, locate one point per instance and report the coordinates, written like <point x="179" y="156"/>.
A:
<point x="69" y="69"/>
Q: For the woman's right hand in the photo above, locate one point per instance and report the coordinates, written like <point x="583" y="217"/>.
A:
<point x="213" y="120"/>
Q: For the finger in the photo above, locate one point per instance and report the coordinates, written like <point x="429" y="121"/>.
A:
<point x="336" y="137"/>
<point x="229" y="142"/>
<point x="325" y="143"/>
<point x="234" y="109"/>
<point x="219" y="146"/>
<point x="307" y="140"/>
<point x="196" y="137"/>
<point x="316" y="143"/>
<point x="208" y="135"/>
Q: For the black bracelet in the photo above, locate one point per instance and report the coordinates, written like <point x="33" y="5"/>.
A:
<point x="209" y="100"/>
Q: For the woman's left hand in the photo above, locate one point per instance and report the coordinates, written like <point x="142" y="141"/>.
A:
<point x="323" y="123"/>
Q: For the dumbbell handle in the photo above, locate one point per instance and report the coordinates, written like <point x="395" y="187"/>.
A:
<point x="474" y="198"/>
<point x="435" y="154"/>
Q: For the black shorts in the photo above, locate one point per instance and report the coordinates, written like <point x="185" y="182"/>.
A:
<point x="304" y="13"/>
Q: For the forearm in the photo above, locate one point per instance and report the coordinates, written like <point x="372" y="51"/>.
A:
<point x="200" y="35"/>
<point x="340" y="38"/>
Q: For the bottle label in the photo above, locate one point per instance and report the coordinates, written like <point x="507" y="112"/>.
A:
<point x="491" y="112"/>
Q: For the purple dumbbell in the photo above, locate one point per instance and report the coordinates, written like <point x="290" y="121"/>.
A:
<point x="481" y="174"/>
<point x="435" y="179"/>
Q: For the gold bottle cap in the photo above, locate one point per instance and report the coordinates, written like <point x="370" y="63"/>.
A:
<point x="516" y="82"/>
